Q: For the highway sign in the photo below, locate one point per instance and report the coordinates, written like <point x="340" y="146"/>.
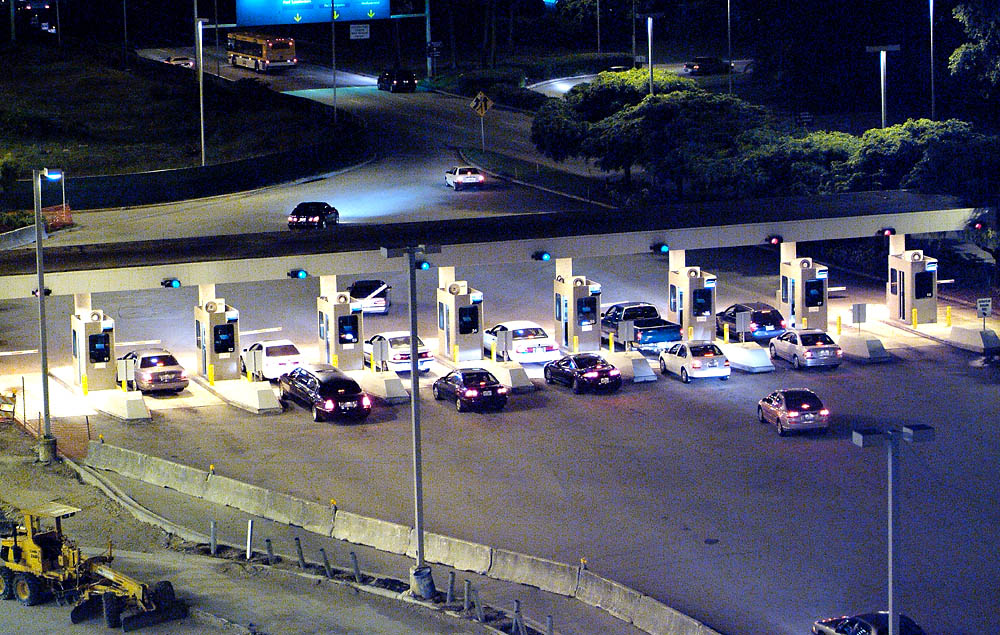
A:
<point x="481" y="103"/>
<point x="360" y="31"/>
<point x="267" y="12"/>
<point x="434" y="49"/>
<point x="984" y="307"/>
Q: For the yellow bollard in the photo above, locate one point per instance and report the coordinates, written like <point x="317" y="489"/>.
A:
<point x="805" y="322"/>
<point x="83" y="384"/>
<point x="124" y="388"/>
<point x="913" y="313"/>
<point x="211" y="468"/>
<point x="611" y="342"/>
<point x="576" y="343"/>
<point x="690" y="333"/>
<point x="725" y="333"/>
<point x="335" y="360"/>
<point x="211" y="374"/>
<point x="493" y="351"/>
<point x="947" y="315"/>
<point x="839" y="322"/>
<point x="454" y="352"/>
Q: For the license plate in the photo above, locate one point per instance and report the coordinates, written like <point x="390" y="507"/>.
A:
<point x="348" y="404"/>
<point x="711" y="364"/>
<point x="824" y="353"/>
<point x="605" y="380"/>
<point x="487" y="393"/>
<point x="808" y="417"/>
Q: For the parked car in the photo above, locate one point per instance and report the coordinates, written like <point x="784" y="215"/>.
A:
<point x="179" y="60"/>
<point x="373" y="295"/>
<point x="652" y="332"/>
<point x="583" y="371"/>
<point x="313" y="214"/>
<point x="865" y="624"/>
<point x="156" y="369"/>
<point x="463" y="176"/>
<point x="793" y="409"/>
<point x="707" y="66"/>
<point x="326" y="391"/>
<point x="398" y="357"/>
<point x="529" y="342"/>
<point x="397" y="80"/>
<point x="689" y="360"/>
<point x="278" y="357"/>
<point x="471" y="388"/>
<point x="807" y="348"/>
<point x="765" y="321"/>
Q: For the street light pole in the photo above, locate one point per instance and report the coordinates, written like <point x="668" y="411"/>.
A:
<point x="427" y="37"/>
<point x="598" y="26"/>
<point x="633" y="33"/>
<point x="125" y="33"/>
<point x="198" y="30"/>
<point x="882" y="50"/>
<point x="649" y="37"/>
<point x="47" y="444"/>
<point x="729" y="41"/>
<point x="933" y="103"/>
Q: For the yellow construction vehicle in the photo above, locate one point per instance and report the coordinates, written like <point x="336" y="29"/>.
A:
<point x="38" y="563"/>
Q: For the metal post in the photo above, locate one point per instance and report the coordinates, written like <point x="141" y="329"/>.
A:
<point x="13" y="29"/>
<point x="218" y="51"/>
<point x="633" y="34"/>
<point x="549" y="627"/>
<point x="933" y="102"/>
<point x="482" y="131"/>
<point x="298" y="551"/>
<point x="270" y="551"/>
<point x="326" y="563"/>
<point x="466" y="591"/>
<point x="418" y="486"/>
<point x="357" y="569"/>
<point x="58" y="25"/>
<point x="894" y="467"/>
<point x="48" y="446"/>
<point x="249" y="538"/>
<point x="450" y="595"/>
<point x="427" y="33"/>
<point x="598" y="26"/>
<point x="125" y="33"/>
<point x="333" y="56"/>
<point x="882" y="63"/>
<point x="480" y="614"/>
<point x="649" y="60"/>
<point x="201" y="83"/>
<point x="213" y="541"/>
<point x="729" y="41"/>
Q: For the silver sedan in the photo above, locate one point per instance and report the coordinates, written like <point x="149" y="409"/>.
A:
<point x="807" y="348"/>
<point x="793" y="409"/>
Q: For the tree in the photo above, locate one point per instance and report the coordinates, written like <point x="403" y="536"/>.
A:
<point x="556" y="130"/>
<point x="772" y="164"/>
<point x="978" y="61"/>
<point x="610" y="92"/>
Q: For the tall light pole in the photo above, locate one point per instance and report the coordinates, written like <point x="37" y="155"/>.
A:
<point x="882" y="50"/>
<point x="633" y="34"/>
<point x="427" y="37"/>
<point x="933" y="103"/>
<point x="598" y="26"/>
<point x="47" y="444"/>
<point x="333" y="55"/>
<point x="125" y="33"/>
<point x="199" y="49"/>
<point x="729" y="43"/>
<point x="421" y="580"/>
<point x="890" y="438"/>
<point x="649" y="38"/>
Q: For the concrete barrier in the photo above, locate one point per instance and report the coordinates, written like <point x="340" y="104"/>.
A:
<point x="256" y="397"/>
<point x="184" y="479"/>
<point x="659" y="619"/>
<point x="372" y="532"/>
<point x="750" y="357"/>
<point x="290" y="510"/>
<point x="633" y="365"/>
<point x="510" y="374"/>
<point x="617" y="599"/>
<point x="124" y="406"/>
<point x="863" y="347"/>
<point x="459" y="554"/>
<point x="976" y="340"/>
<point x="19" y="237"/>
<point x="385" y="385"/>
<point x="232" y="493"/>
<point x="547" y="575"/>
<point x="104" y="456"/>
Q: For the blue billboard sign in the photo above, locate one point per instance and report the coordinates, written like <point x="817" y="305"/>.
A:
<point x="260" y="12"/>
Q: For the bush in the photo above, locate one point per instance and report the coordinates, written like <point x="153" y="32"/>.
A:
<point x="16" y="220"/>
<point x="517" y="97"/>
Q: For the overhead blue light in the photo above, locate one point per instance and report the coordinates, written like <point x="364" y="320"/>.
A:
<point x="544" y="256"/>
<point x="298" y="273"/>
<point x="423" y="265"/>
<point x="170" y="283"/>
<point x="660" y="248"/>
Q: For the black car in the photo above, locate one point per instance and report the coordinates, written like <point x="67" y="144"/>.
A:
<point x="314" y="214"/>
<point x="707" y="66"/>
<point x="397" y="80"/>
<point x="583" y="371"/>
<point x="326" y="390"/>
<point x="373" y="295"/>
<point x="765" y="321"/>
<point x="470" y="388"/>
<point x="865" y="624"/>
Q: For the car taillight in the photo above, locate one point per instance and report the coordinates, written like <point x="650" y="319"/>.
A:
<point x="400" y="357"/>
<point x="824" y="412"/>
<point x="839" y="352"/>
<point x="471" y="392"/>
<point x="366" y="401"/>
<point x="480" y="178"/>
<point x="550" y="348"/>
<point x="808" y="354"/>
<point x="521" y="348"/>
<point x="502" y="390"/>
<point x="144" y="375"/>
<point x="314" y="219"/>
<point x="425" y="355"/>
<point x="696" y="364"/>
<point x="793" y="413"/>
<point x="330" y="404"/>
<point x="614" y="372"/>
<point x="727" y="362"/>
<point x="753" y="326"/>
<point x="783" y="324"/>
<point x="184" y="374"/>
<point x="591" y="374"/>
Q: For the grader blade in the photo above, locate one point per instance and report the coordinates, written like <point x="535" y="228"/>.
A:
<point x="86" y="610"/>
<point x="177" y="610"/>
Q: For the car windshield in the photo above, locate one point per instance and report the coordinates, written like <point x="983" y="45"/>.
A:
<point x="816" y="339"/>
<point x="587" y="361"/>
<point x="705" y="350"/>
<point x="364" y="288"/>
<point x="802" y="399"/>
<point x="158" y="360"/>
<point x="478" y="379"/>
<point x="338" y="387"/>
<point x="532" y="332"/>
<point x="281" y="350"/>
<point x="402" y="341"/>
<point x="641" y="312"/>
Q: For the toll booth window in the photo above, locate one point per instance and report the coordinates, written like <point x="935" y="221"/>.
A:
<point x="701" y="300"/>
<point x="72" y="336"/>
<point x="673" y="297"/>
<point x="559" y="307"/>
<point x="893" y="281"/>
<point x="923" y="285"/>
<point x="100" y="348"/>
<point x="347" y="329"/>
<point x="322" y="326"/>
<point x="815" y="289"/>
<point x="468" y="320"/>
<point x="223" y="340"/>
<point x="442" y="313"/>
<point x="784" y="289"/>
<point x="586" y="311"/>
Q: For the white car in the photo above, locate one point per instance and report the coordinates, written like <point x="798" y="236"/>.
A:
<point x="463" y="175"/>
<point x="807" y="348"/>
<point x="530" y="344"/>
<point x="278" y="357"/>
<point x="689" y="360"/>
<point x="180" y="60"/>
<point x="398" y="355"/>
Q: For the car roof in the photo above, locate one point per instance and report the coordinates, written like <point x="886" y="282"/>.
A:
<point x="806" y="331"/>
<point x="274" y="342"/>
<point x="757" y="306"/>
<point x="389" y="334"/>
<point x="521" y="324"/>
<point x="324" y="371"/>
<point x="464" y="167"/>
<point x="633" y="303"/>
<point x="808" y="390"/>
<point x="147" y="352"/>
<point x="313" y="204"/>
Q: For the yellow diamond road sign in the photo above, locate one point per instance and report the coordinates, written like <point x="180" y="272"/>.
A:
<point x="481" y="103"/>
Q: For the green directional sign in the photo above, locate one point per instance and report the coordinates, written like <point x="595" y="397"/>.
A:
<point x="266" y="12"/>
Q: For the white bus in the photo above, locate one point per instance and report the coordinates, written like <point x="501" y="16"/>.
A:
<point x="261" y="52"/>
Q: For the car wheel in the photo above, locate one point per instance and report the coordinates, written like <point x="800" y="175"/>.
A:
<point x="684" y="376"/>
<point x="436" y="393"/>
<point x="548" y="376"/>
<point x="780" y="428"/>
<point x="774" y="352"/>
<point x="795" y="362"/>
<point x="317" y="414"/>
<point x="760" y="415"/>
<point x="283" y="398"/>
<point x="663" y="367"/>
<point x="459" y="405"/>
<point x="577" y="386"/>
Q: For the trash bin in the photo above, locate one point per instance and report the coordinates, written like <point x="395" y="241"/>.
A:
<point x="422" y="582"/>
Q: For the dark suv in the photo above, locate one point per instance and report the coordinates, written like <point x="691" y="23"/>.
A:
<point x="326" y="390"/>
<point x="397" y="80"/>
<point x="315" y="214"/>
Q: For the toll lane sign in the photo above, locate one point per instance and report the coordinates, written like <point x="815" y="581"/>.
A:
<point x="266" y="12"/>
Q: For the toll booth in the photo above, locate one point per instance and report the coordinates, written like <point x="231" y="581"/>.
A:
<point x="691" y="302"/>
<point x="340" y="331"/>
<point x="94" y="362"/>
<point x="577" y="311"/>
<point x="460" y="322"/>
<point x="912" y="287"/>
<point x="803" y="296"/>
<point x="217" y="334"/>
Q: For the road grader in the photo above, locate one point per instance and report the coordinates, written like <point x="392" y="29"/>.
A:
<point x="38" y="563"/>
